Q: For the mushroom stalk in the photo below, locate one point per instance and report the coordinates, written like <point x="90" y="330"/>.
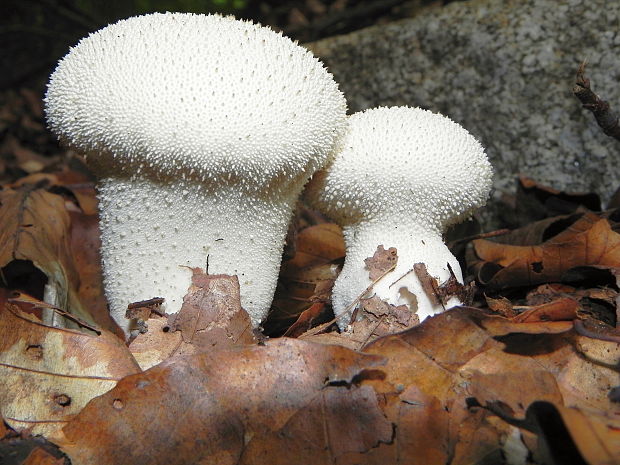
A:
<point x="144" y="231"/>
<point x="400" y="286"/>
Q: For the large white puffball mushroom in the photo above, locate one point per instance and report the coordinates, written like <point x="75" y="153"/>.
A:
<point x="400" y="176"/>
<point x="202" y="130"/>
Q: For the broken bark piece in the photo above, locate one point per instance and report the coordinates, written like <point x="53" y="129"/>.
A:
<point x="381" y="262"/>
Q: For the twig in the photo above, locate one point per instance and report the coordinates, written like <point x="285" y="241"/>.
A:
<point x="605" y="117"/>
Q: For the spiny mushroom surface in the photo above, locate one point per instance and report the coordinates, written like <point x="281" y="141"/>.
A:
<point x="202" y="130"/>
<point x="400" y="176"/>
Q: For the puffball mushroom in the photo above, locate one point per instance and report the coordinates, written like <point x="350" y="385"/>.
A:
<point x="202" y="130"/>
<point x="400" y="176"/>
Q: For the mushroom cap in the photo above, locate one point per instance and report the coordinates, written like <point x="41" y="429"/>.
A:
<point x="409" y="162"/>
<point x="201" y="96"/>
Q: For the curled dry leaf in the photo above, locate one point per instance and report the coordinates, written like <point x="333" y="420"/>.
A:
<point x="589" y="241"/>
<point x="210" y="319"/>
<point x="232" y="407"/>
<point x="85" y="244"/>
<point x="563" y="308"/>
<point x="567" y="435"/>
<point x="536" y="201"/>
<point x="305" y="320"/>
<point x="36" y="229"/>
<point x="48" y="374"/>
<point x="485" y="357"/>
<point x="76" y="181"/>
<point x="40" y="456"/>
<point x="77" y="190"/>
<point x="308" y="277"/>
<point x="4" y="430"/>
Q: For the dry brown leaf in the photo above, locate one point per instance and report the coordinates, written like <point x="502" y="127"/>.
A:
<point x="414" y="402"/>
<point x="471" y="359"/>
<point x="74" y="180"/>
<point x="215" y="408"/>
<point x="564" y="308"/>
<point x="210" y="319"/>
<point x="85" y="244"/>
<point x="583" y="367"/>
<point x="304" y="322"/>
<point x="596" y="434"/>
<point x="50" y="373"/>
<point x="568" y="435"/>
<point x="3" y="428"/>
<point x="501" y="305"/>
<point x="316" y="245"/>
<point x="308" y="277"/>
<point x="381" y="262"/>
<point x="589" y="241"/>
<point x="40" y="456"/>
<point x="157" y="343"/>
<point x="340" y="421"/>
<point x="536" y="201"/>
<point x="36" y="228"/>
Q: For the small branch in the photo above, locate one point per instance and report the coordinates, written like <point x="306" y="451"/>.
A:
<point x="605" y="117"/>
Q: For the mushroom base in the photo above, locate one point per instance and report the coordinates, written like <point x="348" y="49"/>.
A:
<point x="400" y="286"/>
<point x="153" y="233"/>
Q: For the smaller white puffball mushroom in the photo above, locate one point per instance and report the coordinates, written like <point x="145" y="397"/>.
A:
<point x="202" y="130"/>
<point x="399" y="177"/>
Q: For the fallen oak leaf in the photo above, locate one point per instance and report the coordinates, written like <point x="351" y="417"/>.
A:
<point x="210" y="319"/>
<point x="568" y="435"/>
<point x="304" y="322"/>
<point x="37" y="230"/>
<point x="589" y="241"/>
<point x="481" y="353"/>
<point x="50" y="373"/>
<point x="351" y="424"/>
<point x="564" y="308"/>
<point x="211" y="313"/>
<point x="40" y="456"/>
<point x="217" y="415"/>
<point x="308" y="277"/>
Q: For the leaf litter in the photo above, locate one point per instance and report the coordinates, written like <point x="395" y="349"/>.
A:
<point x="530" y="375"/>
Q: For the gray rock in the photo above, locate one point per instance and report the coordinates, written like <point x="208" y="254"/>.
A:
<point x="504" y="69"/>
